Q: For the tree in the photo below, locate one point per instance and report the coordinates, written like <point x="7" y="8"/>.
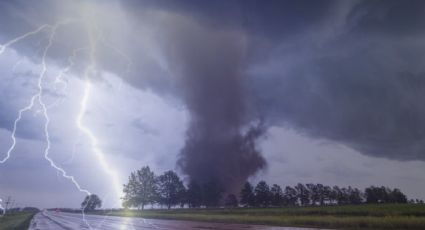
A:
<point x="194" y="194"/>
<point x="276" y="195"/>
<point x="320" y="189"/>
<point x="231" y="201"/>
<point x="262" y="194"/>
<point x="314" y="195"/>
<point x="247" y="195"/>
<point x="170" y="189"/>
<point x="377" y="194"/>
<point x="303" y="194"/>
<point x="371" y="195"/>
<point x="333" y="197"/>
<point x="355" y="195"/>
<point x="290" y="196"/>
<point x="340" y="195"/>
<point x="141" y="188"/>
<point x="327" y="194"/>
<point x="91" y="202"/>
<point x="397" y="196"/>
<point x="344" y="196"/>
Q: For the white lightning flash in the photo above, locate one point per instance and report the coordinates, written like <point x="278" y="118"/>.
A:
<point x="45" y="114"/>
<point x="17" y="39"/>
<point x="37" y="98"/>
<point x="91" y="70"/>
<point x="28" y="107"/>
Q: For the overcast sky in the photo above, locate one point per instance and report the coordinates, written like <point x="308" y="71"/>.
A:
<point x="287" y="91"/>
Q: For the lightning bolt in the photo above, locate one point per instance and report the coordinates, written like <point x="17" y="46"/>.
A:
<point x="26" y="108"/>
<point x="22" y="37"/>
<point x="45" y="113"/>
<point x="38" y="97"/>
<point x="60" y="78"/>
<point x="95" y="35"/>
<point x="91" y="70"/>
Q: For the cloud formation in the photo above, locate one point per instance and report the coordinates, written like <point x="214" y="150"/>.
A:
<point x="350" y="72"/>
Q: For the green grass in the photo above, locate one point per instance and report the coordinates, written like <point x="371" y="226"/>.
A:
<point x="18" y="221"/>
<point x="383" y="216"/>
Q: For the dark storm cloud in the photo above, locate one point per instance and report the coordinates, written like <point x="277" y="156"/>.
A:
<point x="349" y="71"/>
<point x="388" y="18"/>
<point x="275" y="19"/>
<point x="362" y="88"/>
<point x="357" y="81"/>
<point x="206" y="46"/>
<point x="345" y="71"/>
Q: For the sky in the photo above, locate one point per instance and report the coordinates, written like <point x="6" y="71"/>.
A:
<point x="283" y="91"/>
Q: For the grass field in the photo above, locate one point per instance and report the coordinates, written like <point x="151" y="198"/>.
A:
<point x="383" y="216"/>
<point x="18" y="221"/>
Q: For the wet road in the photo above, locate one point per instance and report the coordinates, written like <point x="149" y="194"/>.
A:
<point x="70" y="221"/>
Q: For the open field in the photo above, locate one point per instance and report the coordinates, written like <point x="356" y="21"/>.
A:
<point x="384" y="216"/>
<point x="18" y="221"/>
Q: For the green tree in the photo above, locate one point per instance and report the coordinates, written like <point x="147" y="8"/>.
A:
<point x="247" y="195"/>
<point x="262" y="194"/>
<point x="303" y="194"/>
<point x="355" y="195"/>
<point x="333" y="197"/>
<point x="276" y="195"/>
<point x="91" y="202"/>
<point x="397" y="196"/>
<point x="313" y="192"/>
<point x="141" y="188"/>
<point x="170" y="189"/>
<point x="375" y="194"/>
<point x="290" y="196"/>
<point x="327" y="194"/>
<point x="320" y="189"/>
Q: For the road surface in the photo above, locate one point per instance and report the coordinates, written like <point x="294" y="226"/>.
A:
<point x="48" y="220"/>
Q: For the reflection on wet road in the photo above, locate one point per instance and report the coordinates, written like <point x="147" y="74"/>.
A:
<point x="69" y="221"/>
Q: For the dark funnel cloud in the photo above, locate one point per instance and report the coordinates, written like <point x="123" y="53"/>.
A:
<point x="220" y="142"/>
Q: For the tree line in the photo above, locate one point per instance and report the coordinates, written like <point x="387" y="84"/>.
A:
<point x="262" y="195"/>
<point x="168" y="190"/>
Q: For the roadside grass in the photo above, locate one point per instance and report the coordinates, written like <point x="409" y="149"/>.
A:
<point x="17" y="221"/>
<point x="365" y="216"/>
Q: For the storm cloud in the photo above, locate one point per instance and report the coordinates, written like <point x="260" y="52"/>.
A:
<point x="346" y="71"/>
<point x="362" y="86"/>
<point x="353" y="76"/>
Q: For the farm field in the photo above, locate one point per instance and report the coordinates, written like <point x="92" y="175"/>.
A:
<point x="18" y="221"/>
<point x="381" y="216"/>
